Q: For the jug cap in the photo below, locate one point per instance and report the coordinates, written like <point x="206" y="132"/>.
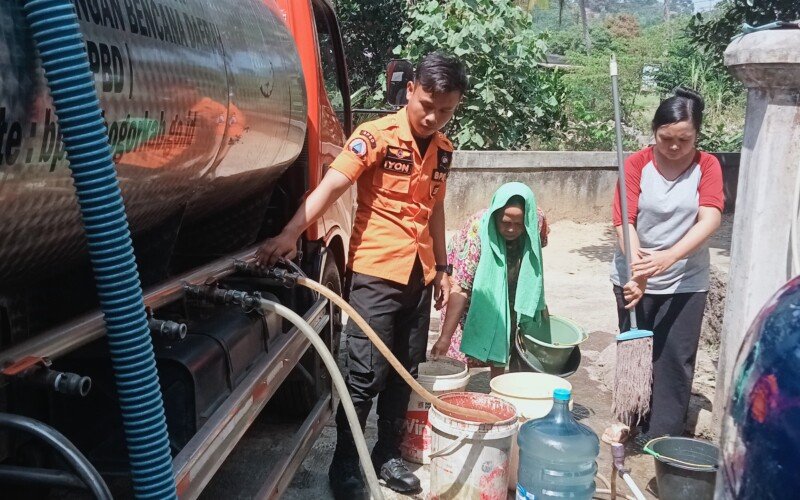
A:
<point x="561" y="394"/>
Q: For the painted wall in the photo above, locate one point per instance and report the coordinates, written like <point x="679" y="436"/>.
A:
<point x="568" y="184"/>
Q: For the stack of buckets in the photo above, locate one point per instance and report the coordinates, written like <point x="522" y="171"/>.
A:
<point x="442" y="376"/>
<point x="469" y="459"/>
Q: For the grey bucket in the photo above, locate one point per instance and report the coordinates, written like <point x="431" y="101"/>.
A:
<point x="685" y="468"/>
<point x="551" y="345"/>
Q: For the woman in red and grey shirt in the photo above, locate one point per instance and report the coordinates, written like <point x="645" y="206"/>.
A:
<point x="675" y="202"/>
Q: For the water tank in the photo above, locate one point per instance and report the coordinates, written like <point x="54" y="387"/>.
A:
<point x="205" y="105"/>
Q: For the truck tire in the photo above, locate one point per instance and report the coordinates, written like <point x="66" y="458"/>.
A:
<point x="297" y="395"/>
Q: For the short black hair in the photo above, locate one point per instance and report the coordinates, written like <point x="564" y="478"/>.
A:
<point x="440" y="73"/>
<point x="515" y="201"/>
<point x="685" y="105"/>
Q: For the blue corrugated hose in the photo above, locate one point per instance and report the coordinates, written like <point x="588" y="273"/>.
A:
<point x="56" y="33"/>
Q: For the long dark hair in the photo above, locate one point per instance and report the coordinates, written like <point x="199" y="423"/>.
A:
<point x="685" y="105"/>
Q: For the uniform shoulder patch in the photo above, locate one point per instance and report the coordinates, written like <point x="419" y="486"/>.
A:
<point x="370" y="137"/>
<point x="358" y="147"/>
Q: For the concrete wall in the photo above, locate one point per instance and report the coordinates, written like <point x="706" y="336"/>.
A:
<point x="568" y="185"/>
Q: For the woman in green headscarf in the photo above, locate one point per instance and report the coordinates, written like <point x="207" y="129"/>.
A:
<point x="497" y="279"/>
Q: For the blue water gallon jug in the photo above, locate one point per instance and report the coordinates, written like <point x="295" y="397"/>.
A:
<point x="557" y="455"/>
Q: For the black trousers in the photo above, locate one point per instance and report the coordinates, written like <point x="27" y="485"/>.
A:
<point x="675" y="321"/>
<point x="400" y="315"/>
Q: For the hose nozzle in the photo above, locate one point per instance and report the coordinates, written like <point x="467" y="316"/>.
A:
<point x="169" y="330"/>
<point x="71" y="384"/>
<point x="223" y="296"/>
<point x="283" y="277"/>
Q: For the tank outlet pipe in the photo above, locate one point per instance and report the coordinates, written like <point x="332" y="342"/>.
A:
<point x="57" y="37"/>
<point x="223" y="296"/>
<point x="70" y="384"/>
<point x="291" y="278"/>
<point x="168" y="330"/>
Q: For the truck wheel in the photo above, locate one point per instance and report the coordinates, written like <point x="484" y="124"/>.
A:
<point x="298" y="395"/>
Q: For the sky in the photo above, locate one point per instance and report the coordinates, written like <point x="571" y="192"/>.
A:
<point x="704" y="5"/>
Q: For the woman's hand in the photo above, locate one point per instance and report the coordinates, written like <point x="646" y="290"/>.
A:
<point x="653" y="262"/>
<point x="633" y="291"/>
<point x="441" y="347"/>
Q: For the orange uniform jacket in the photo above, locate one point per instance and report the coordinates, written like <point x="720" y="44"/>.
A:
<point x="397" y="190"/>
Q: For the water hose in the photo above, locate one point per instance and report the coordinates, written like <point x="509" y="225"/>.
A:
<point x="80" y="465"/>
<point x="57" y="36"/>
<point x="477" y="415"/>
<point x="635" y="489"/>
<point x="341" y="388"/>
<point x="608" y="490"/>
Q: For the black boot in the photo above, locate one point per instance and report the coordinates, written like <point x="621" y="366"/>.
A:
<point x="344" y="474"/>
<point x="386" y="457"/>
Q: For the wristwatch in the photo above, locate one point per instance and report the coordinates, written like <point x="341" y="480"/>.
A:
<point x="445" y="268"/>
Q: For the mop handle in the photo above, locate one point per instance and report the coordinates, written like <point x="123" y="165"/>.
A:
<point x="623" y="192"/>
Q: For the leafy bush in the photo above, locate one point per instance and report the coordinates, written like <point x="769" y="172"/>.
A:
<point x="712" y="33"/>
<point x="688" y="65"/>
<point x="511" y="97"/>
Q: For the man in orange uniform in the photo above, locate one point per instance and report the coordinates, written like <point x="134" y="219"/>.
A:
<point x="397" y="255"/>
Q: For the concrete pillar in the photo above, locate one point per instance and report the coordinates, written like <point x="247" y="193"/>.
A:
<point x="768" y="63"/>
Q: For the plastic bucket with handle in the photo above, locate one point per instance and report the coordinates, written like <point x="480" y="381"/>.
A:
<point x="470" y="460"/>
<point x="440" y="376"/>
<point x="550" y="345"/>
<point x="685" y="467"/>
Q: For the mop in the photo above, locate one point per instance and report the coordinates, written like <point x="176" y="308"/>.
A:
<point x="633" y="379"/>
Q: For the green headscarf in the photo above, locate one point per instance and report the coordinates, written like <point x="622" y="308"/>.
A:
<point x="487" y="329"/>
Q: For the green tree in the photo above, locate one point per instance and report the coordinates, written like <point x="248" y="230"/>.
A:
<point x="712" y="33"/>
<point x="530" y="5"/>
<point x="512" y="98"/>
<point x="588" y="105"/>
<point x="370" y="31"/>
<point x="681" y="7"/>
<point x="623" y="26"/>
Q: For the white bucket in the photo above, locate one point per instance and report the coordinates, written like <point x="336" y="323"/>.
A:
<point x="532" y="395"/>
<point x="470" y="460"/>
<point x="440" y="377"/>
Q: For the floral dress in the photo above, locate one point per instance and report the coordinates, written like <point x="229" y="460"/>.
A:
<point x="464" y="253"/>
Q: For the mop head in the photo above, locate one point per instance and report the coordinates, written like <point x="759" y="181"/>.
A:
<point x="633" y="380"/>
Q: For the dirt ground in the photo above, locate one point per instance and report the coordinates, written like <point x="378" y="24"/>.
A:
<point x="577" y="264"/>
